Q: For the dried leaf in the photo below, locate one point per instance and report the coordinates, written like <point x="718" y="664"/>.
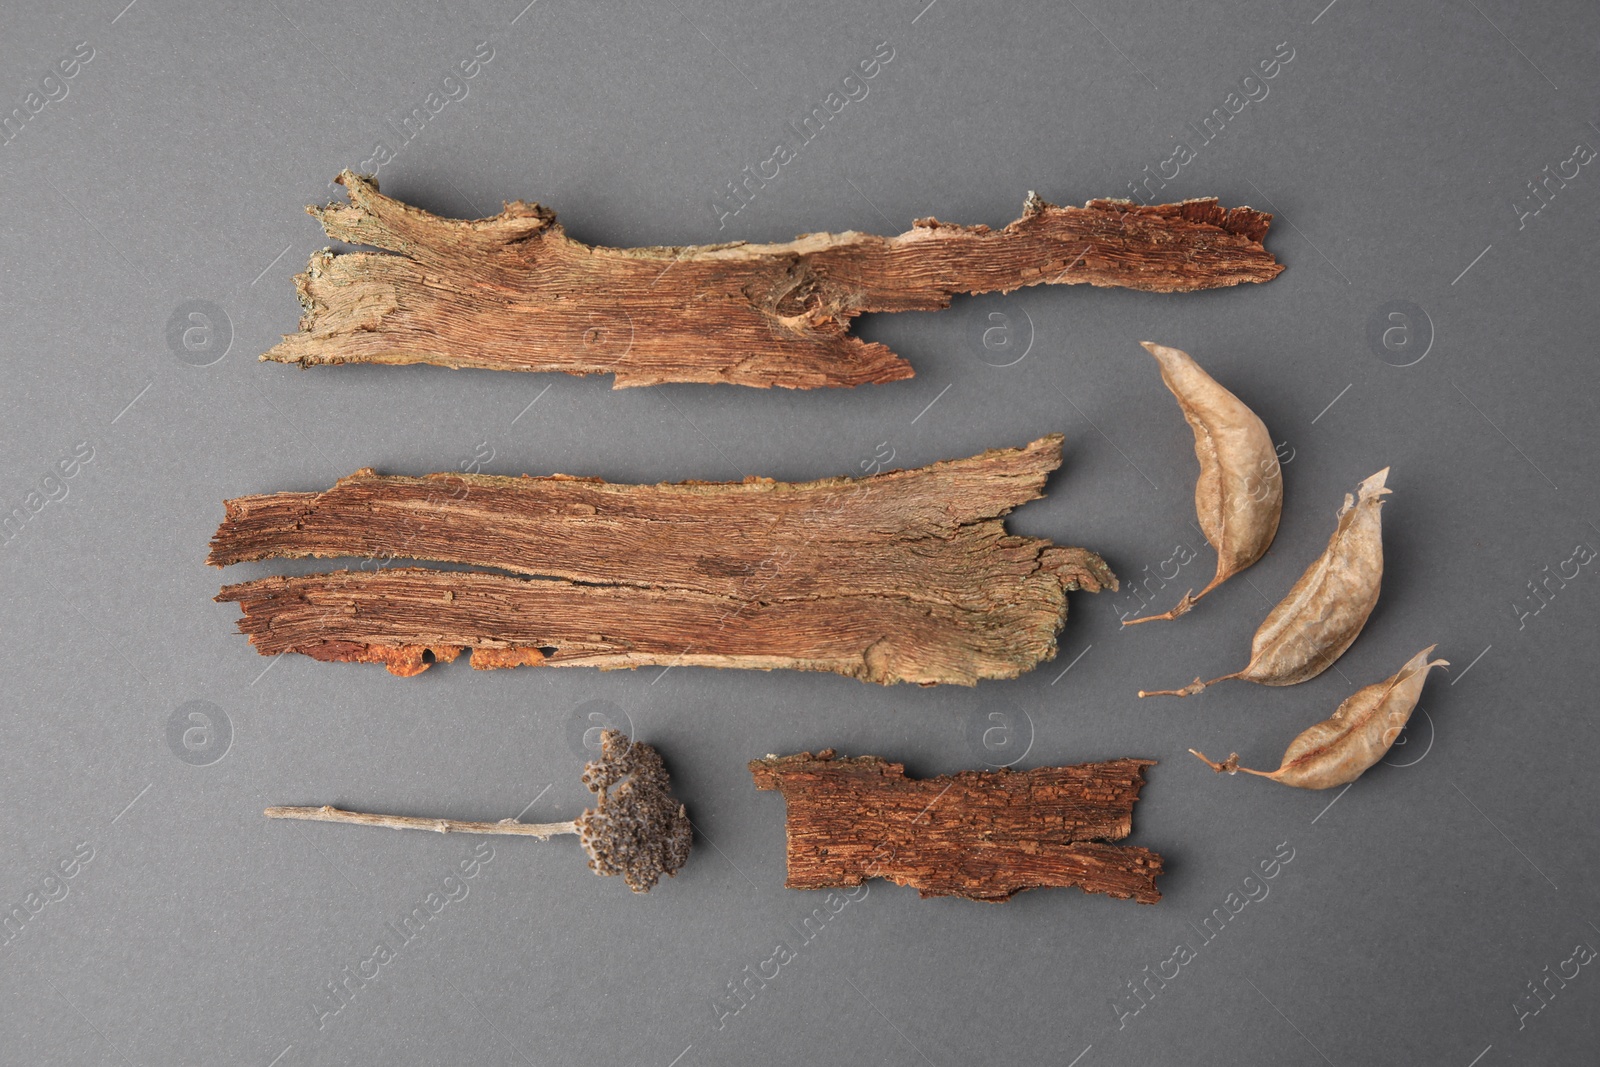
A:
<point x="1337" y="750"/>
<point x="1239" y="495"/>
<point x="1312" y="626"/>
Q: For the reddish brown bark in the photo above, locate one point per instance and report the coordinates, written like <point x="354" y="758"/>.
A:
<point x="903" y="576"/>
<point x="513" y="292"/>
<point x="983" y="835"/>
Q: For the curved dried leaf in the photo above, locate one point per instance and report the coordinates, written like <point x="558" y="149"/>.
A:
<point x="1337" y="750"/>
<point x="1326" y="609"/>
<point x="1238" y="497"/>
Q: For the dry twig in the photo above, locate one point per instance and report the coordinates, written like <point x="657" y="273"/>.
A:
<point x="636" y="829"/>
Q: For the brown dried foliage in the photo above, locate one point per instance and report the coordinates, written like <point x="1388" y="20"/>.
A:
<point x="1339" y="749"/>
<point x="1238" y="497"/>
<point x="1326" y="609"/>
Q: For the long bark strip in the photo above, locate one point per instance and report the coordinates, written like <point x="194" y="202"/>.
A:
<point x="513" y="292"/>
<point x="983" y="835"/>
<point x="902" y="576"/>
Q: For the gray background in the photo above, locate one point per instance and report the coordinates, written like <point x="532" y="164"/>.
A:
<point x="1392" y="148"/>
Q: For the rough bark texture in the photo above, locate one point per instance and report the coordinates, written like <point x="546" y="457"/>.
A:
<point x="902" y="576"/>
<point x="513" y="292"/>
<point x="983" y="835"/>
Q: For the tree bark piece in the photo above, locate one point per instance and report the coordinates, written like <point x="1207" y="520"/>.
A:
<point x="902" y="576"/>
<point x="513" y="292"/>
<point x="983" y="835"/>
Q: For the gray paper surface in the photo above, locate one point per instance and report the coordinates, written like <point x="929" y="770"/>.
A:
<point x="1431" y="168"/>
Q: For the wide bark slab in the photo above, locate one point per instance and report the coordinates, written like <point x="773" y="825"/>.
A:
<point x="983" y="835"/>
<point x="513" y="292"/>
<point x="907" y="575"/>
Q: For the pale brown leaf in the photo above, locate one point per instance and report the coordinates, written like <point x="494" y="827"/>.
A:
<point x="1337" y="750"/>
<point x="1238" y="497"/>
<point x="1326" y="609"/>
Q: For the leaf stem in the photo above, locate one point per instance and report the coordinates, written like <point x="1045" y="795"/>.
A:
<point x="1180" y="608"/>
<point x="1227" y="766"/>
<point x="1231" y="765"/>
<point x="1189" y="690"/>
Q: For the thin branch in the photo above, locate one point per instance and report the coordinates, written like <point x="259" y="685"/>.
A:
<point x="637" y="828"/>
<point x="328" y="813"/>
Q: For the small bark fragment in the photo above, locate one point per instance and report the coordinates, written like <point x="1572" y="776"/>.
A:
<point x="982" y="835"/>
<point x="1238" y="497"/>
<point x="513" y="292"/>
<point x="902" y="576"/>
<point x="1339" y="749"/>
